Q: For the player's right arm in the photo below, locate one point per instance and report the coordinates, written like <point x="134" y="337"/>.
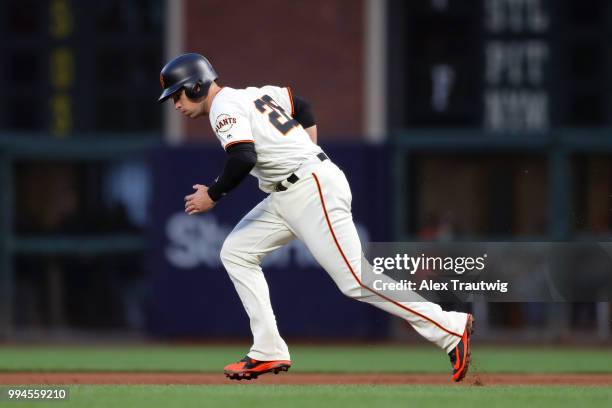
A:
<point x="240" y="160"/>
<point x="231" y="125"/>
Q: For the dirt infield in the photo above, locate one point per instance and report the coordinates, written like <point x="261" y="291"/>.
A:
<point x="68" y="378"/>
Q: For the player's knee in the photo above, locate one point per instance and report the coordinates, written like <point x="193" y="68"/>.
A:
<point x="233" y="253"/>
<point x="351" y="291"/>
<point x="229" y="251"/>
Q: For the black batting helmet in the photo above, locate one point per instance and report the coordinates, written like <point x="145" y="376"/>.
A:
<point x="191" y="71"/>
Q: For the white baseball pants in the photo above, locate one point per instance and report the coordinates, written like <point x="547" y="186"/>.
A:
<point x="316" y="210"/>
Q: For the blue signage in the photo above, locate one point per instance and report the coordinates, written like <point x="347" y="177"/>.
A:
<point x="192" y="295"/>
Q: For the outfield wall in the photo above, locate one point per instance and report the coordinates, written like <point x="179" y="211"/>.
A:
<point x="192" y="296"/>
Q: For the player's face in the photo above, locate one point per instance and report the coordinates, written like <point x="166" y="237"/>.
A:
<point x="187" y="107"/>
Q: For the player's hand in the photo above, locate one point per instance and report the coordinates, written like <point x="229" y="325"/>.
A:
<point x="199" y="201"/>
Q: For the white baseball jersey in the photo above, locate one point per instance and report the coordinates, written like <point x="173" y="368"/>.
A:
<point x="263" y="116"/>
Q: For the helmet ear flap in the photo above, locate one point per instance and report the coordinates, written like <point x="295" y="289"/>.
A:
<point x="196" y="90"/>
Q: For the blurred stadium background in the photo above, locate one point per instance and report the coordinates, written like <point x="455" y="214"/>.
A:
<point x="483" y="120"/>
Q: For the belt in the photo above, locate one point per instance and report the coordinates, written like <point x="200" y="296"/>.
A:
<point x="293" y="178"/>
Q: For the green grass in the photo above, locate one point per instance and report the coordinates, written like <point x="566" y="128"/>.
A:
<point x="332" y="396"/>
<point x="364" y="359"/>
<point x="316" y="359"/>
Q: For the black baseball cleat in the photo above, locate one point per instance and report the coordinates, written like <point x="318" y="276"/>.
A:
<point x="460" y="356"/>
<point x="249" y="368"/>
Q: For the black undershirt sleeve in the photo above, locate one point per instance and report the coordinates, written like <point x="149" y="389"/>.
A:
<point x="241" y="158"/>
<point x="302" y="112"/>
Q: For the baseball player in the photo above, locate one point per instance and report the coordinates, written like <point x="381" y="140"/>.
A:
<point x="271" y="134"/>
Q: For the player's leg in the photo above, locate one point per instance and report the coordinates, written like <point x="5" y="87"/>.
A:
<point x="258" y="233"/>
<point x="318" y="209"/>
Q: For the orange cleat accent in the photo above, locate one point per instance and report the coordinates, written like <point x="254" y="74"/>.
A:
<point x="249" y="368"/>
<point x="460" y="356"/>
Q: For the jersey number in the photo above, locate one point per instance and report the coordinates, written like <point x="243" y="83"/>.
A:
<point x="277" y="115"/>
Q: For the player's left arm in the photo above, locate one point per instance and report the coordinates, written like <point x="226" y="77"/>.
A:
<point x="312" y="132"/>
<point x="302" y="112"/>
<point x="241" y="158"/>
